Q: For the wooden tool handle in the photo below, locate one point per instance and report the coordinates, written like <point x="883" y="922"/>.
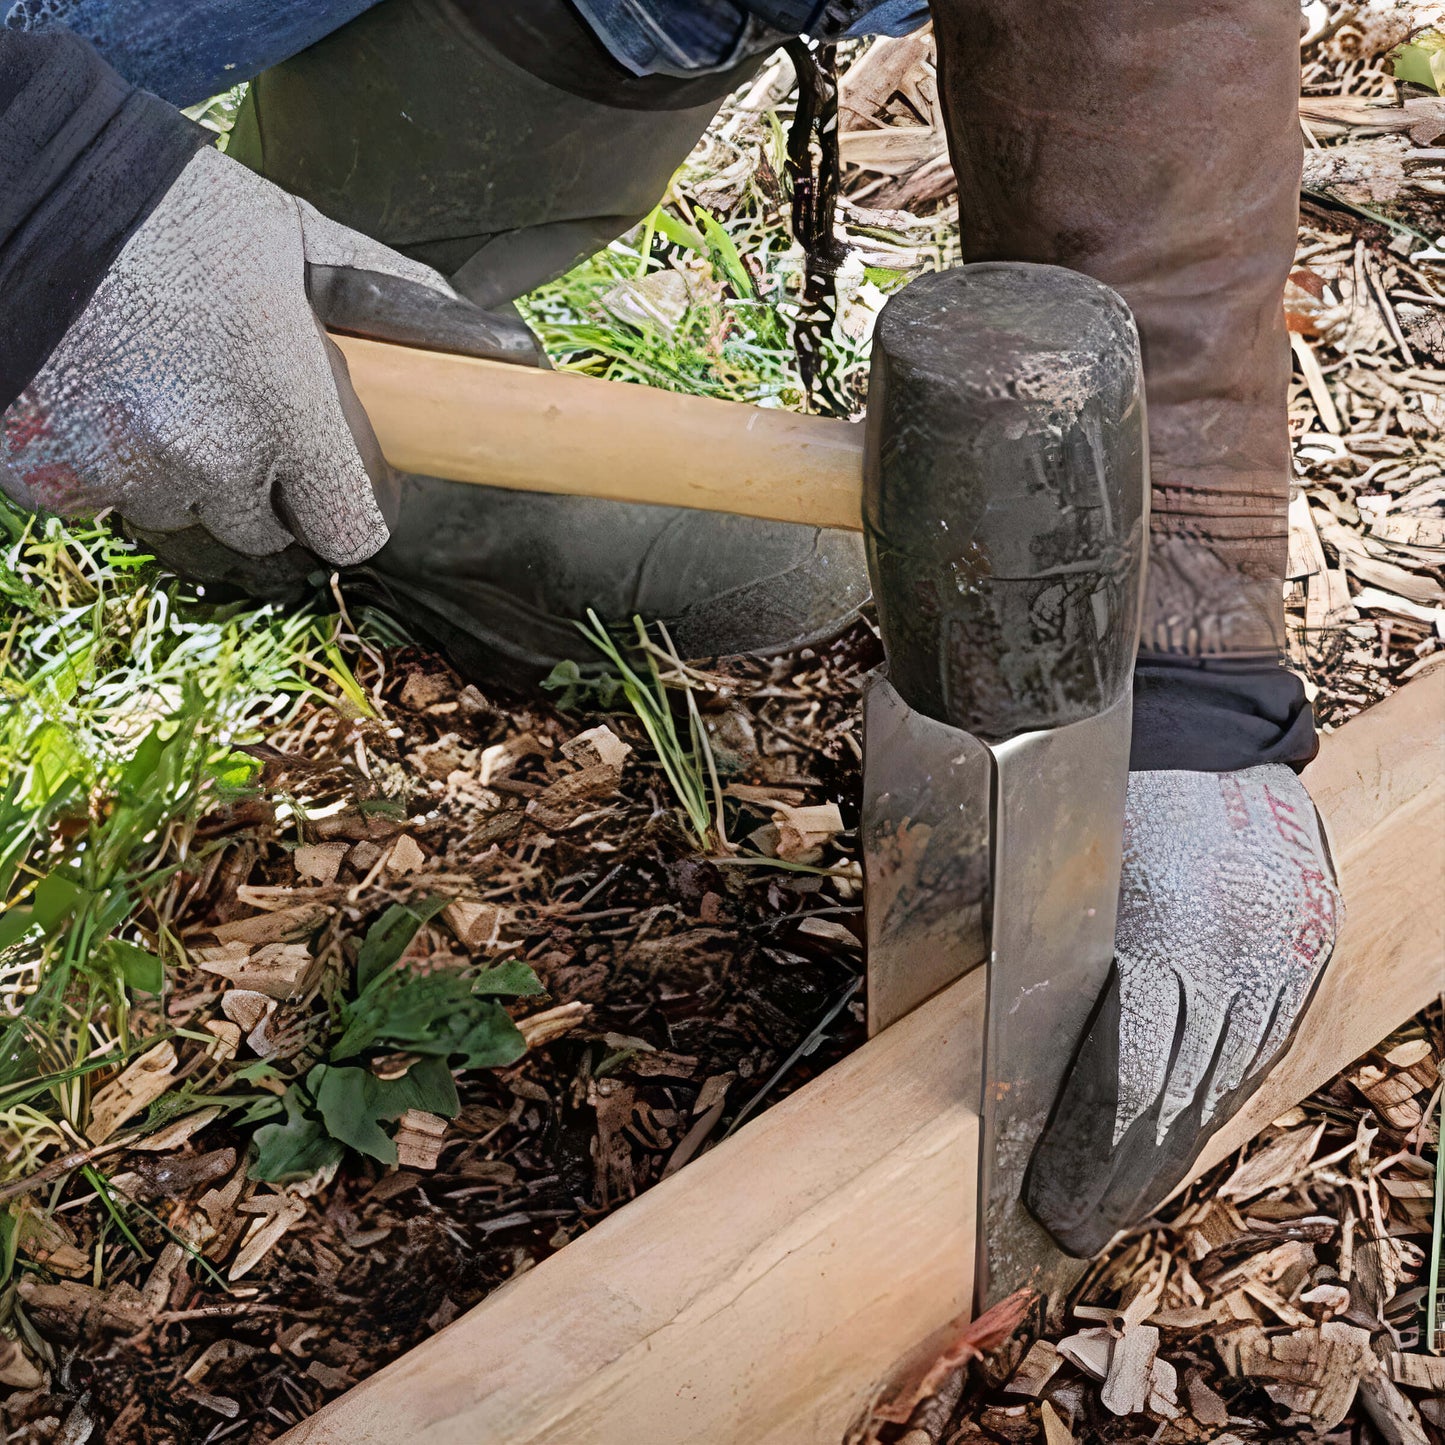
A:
<point x="547" y="431"/>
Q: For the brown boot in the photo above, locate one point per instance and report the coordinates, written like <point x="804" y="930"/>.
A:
<point x="1157" y="148"/>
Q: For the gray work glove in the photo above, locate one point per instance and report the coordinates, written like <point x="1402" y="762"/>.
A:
<point x="198" y="386"/>
<point x="1228" y="911"/>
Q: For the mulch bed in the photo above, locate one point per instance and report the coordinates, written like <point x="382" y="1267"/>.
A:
<point x="681" y="993"/>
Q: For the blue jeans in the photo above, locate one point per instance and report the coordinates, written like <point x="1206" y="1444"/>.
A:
<point x="686" y="37"/>
<point x="186" y="50"/>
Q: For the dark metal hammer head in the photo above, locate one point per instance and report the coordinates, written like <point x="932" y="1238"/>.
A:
<point x="1002" y="505"/>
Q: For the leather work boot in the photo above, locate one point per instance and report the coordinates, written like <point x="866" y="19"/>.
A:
<point x="1160" y="152"/>
<point x="501" y="144"/>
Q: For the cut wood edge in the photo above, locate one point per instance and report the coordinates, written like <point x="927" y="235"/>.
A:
<point x="525" y="429"/>
<point x="761" y="1295"/>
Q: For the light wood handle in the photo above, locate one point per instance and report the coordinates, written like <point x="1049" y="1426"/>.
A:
<point x="548" y="431"/>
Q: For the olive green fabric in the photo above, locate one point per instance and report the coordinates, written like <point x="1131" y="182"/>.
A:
<point x="416" y="126"/>
<point x="502" y="144"/>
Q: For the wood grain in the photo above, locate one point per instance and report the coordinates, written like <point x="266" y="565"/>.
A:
<point x="552" y="431"/>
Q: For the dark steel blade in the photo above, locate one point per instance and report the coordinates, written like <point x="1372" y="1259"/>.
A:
<point x="926" y="802"/>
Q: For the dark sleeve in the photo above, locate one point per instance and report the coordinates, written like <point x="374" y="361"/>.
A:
<point x="84" y="159"/>
<point x="1217" y="715"/>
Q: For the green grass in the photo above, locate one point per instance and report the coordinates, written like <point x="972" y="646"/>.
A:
<point x="123" y="700"/>
<point x="688" y="764"/>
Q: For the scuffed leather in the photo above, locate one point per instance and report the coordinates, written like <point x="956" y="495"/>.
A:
<point x="1228" y="911"/>
<point x="198" y="386"/>
<point x="1156" y="146"/>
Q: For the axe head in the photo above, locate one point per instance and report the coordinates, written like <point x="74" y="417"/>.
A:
<point x="1005" y="512"/>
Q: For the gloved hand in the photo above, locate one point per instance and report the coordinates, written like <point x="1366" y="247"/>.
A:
<point x="198" y="385"/>
<point x="1228" y="911"/>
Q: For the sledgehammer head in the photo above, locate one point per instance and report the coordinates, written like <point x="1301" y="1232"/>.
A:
<point x="1005" y="530"/>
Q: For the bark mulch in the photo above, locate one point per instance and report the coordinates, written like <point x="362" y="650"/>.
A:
<point x="682" y="992"/>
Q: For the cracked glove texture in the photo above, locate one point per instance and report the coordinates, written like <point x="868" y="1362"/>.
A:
<point x="198" y="385"/>
<point x="1228" y="911"/>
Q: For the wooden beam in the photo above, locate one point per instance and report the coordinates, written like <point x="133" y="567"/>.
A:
<point x="554" y="431"/>
<point x="727" y="1306"/>
<point x="761" y="1295"/>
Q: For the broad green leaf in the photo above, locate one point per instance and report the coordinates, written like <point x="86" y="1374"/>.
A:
<point x="141" y="769"/>
<point x="348" y="1101"/>
<point x="56" y="900"/>
<point x="15" y="923"/>
<point x="1422" y="62"/>
<point x="676" y="231"/>
<point x="142" y="971"/>
<point x="437" y="1015"/>
<point x="513" y="979"/>
<point x="354" y="1102"/>
<point x="428" y="1086"/>
<point x="295" y="1149"/>
<point x="386" y="940"/>
<point x="726" y="257"/>
<point x="9" y="1241"/>
<point x="491" y="1041"/>
<point x="116" y="905"/>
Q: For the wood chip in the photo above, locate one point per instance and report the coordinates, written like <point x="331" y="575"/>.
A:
<point x="138" y="1086"/>
<point x="1419" y="1372"/>
<point x="419" y="1139"/>
<point x="597" y="745"/>
<point x="476" y="925"/>
<point x="1056" y="1432"/>
<point x="1277" y="1164"/>
<point x="329" y="1378"/>
<point x="118" y="1309"/>
<point x="1035" y="1370"/>
<point x="278" y="970"/>
<point x="1375" y="1276"/>
<point x="1392" y="1088"/>
<point x="423" y="690"/>
<point x="319" y="862"/>
<point x="405" y="857"/>
<point x="565" y="803"/>
<point x="1333" y="1297"/>
<point x="278" y="1213"/>
<point x="178" y="1131"/>
<point x="17" y="1370"/>
<point x="714" y="1091"/>
<point x="803" y="832"/>
<point x="245" y="1008"/>
<point x="355" y="826"/>
<point x="46" y="1240"/>
<point x="1205" y="1404"/>
<point x="1090" y="1351"/>
<point x="1164" y="1390"/>
<point x="1131" y="1365"/>
<point x="542" y="1028"/>
<point x="280" y="925"/>
<point x="218" y="1352"/>
<point x="228" y="1039"/>
<point x="1313" y="1371"/>
<point x="1394" y="1416"/>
